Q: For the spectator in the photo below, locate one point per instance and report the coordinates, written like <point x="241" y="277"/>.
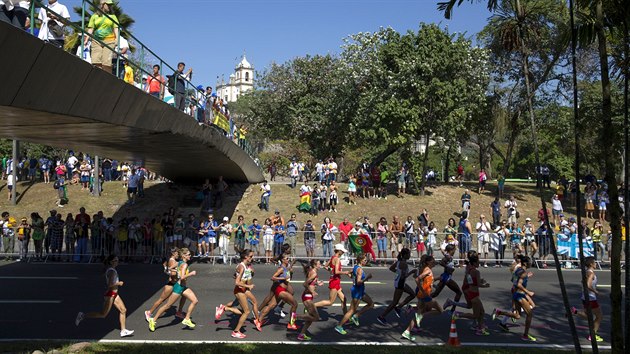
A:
<point x="344" y="231"/>
<point x="118" y="64"/>
<point x="61" y="186"/>
<point x="382" y="230"/>
<point x="8" y="233"/>
<point x="37" y="225"/>
<point x="501" y="184"/>
<point x="132" y="187"/>
<point x="82" y="224"/>
<point x="315" y="200"/>
<point x="128" y="76"/>
<point x="14" y="12"/>
<point x="294" y="172"/>
<point x="465" y="198"/>
<point x="546" y="180"/>
<point x="264" y="197"/>
<point x="556" y="209"/>
<point x="44" y="166"/>
<point x="483" y="228"/>
<point x="410" y="233"/>
<point x="103" y="26"/>
<point x="328" y="237"/>
<point x="240" y="230"/>
<point x="460" y="174"/>
<point x="423" y="218"/>
<point x="543" y="244"/>
<point x="511" y="205"/>
<point x="52" y="29"/>
<point x="465" y="236"/>
<point x="495" y="210"/>
<point x="10" y="185"/>
<point x="401" y="178"/>
<point x="397" y="236"/>
<point x="180" y="85"/>
<point x="254" y="236"/>
<point x="278" y="238"/>
<point x="155" y="83"/>
<point x="482" y="180"/>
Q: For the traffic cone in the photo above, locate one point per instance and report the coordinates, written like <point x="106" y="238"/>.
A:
<point x="453" y="341"/>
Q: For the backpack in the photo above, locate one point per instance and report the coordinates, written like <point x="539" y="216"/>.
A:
<point x="170" y="83"/>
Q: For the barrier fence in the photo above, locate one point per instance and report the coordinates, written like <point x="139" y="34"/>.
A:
<point x="141" y="59"/>
<point x="88" y="245"/>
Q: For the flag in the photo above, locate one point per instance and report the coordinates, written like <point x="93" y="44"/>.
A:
<point x="570" y="246"/>
<point x="305" y="202"/>
<point x="361" y="243"/>
<point x="495" y="241"/>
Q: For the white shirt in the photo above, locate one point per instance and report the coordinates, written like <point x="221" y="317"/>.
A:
<point x="305" y="188"/>
<point x="121" y="45"/>
<point x="10" y="180"/>
<point x="319" y="167"/>
<point x="72" y="161"/>
<point x="557" y="204"/>
<point x="266" y="188"/>
<point x="510" y="204"/>
<point x="58" y="8"/>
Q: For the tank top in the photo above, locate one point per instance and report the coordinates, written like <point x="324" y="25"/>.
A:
<point x="334" y="276"/>
<point x="591" y="295"/>
<point x="464" y="230"/>
<point x="427" y="283"/>
<point x="401" y="276"/>
<point x="469" y="280"/>
<point x="114" y="278"/>
<point x="517" y="276"/>
<point x="248" y="273"/>
<point x="355" y="271"/>
<point x="312" y="283"/>
<point x="449" y="268"/>
<point x="285" y="274"/>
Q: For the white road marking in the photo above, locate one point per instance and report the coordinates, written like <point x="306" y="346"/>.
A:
<point x="38" y="278"/>
<point x="30" y="301"/>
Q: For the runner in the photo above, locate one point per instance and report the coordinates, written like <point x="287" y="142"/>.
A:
<point x="446" y="279"/>
<point x="520" y="299"/>
<point x="111" y="298"/>
<point x="179" y="290"/>
<point x="591" y="284"/>
<point x="243" y="286"/>
<point x="281" y="278"/>
<point x="170" y="269"/>
<point x="426" y="304"/>
<point x="284" y="250"/>
<point x="470" y="287"/>
<point x="309" y="294"/>
<point x="334" y="284"/>
<point x="401" y="268"/>
<point x="358" y="295"/>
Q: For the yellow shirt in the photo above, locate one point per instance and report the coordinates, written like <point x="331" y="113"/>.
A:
<point x="128" y="74"/>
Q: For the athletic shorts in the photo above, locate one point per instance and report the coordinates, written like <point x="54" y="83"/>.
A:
<point x="279" y="290"/>
<point x="334" y="284"/>
<point x="594" y="304"/>
<point x="307" y="297"/>
<point x="470" y="295"/>
<point x="445" y="277"/>
<point x="111" y="293"/>
<point x="357" y="291"/>
<point x="239" y="290"/>
<point x="179" y="289"/>
<point x="517" y="296"/>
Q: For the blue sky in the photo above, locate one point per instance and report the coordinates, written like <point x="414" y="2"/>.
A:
<point x="210" y="36"/>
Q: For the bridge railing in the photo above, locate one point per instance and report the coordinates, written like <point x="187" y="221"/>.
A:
<point x="142" y="59"/>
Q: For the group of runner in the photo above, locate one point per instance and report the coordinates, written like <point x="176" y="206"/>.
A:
<point x="282" y="292"/>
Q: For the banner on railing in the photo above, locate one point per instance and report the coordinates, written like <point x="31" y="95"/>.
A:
<point x="570" y="246"/>
<point x="220" y="121"/>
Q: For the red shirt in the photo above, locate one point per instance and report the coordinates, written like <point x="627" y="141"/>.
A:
<point x="155" y="85"/>
<point x="344" y="230"/>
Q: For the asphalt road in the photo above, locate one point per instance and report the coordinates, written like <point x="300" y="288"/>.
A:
<point x="40" y="301"/>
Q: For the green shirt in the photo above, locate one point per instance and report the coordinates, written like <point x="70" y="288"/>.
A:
<point x="103" y="26"/>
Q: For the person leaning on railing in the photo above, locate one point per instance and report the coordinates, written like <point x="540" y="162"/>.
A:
<point x="103" y="26"/>
<point x="52" y="29"/>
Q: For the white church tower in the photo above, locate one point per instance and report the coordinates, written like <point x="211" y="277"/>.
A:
<point x="242" y="80"/>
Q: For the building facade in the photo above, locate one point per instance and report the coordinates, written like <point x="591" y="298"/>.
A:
<point x="240" y="81"/>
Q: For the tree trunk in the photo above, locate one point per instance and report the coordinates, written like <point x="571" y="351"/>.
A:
<point x="514" y="133"/>
<point x="611" y="157"/>
<point x="626" y="202"/>
<point x="383" y="155"/>
<point x="424" y="165"/>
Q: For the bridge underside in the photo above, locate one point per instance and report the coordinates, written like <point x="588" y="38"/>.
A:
<point x="51" y="97"/>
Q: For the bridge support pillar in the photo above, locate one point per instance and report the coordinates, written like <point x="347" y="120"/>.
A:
<point x="14" y="165"/>
<point x="96" y="186"/>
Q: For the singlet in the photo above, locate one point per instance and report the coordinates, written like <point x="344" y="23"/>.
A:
<point x="167" y="271"/>
<point x="464" y="230"/>
<point x="114" y="279"/>
<point x="355" y="271"/>
<point x="334" y="276"/>
<point x="449" y="268"/>
<point x="248" y="273"/>
<point x="179" y="274"/>
<point x="591" y="295"/>
<point x="427" y="283"/>
<point x="517" y="276"/>
<point x="286" y="275"/>
<point x="401" y="276"/>
<point x="469" y="280"/>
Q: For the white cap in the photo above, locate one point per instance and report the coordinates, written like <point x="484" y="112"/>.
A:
<point x="528" y="219"/>
<point x="358" y="223"/>
<point x="225" y="218"/>
<point x="340" y="247"/>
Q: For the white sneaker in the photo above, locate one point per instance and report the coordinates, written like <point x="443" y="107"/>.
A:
<point x="79" y="318"/>
<point x="126" y="332"/>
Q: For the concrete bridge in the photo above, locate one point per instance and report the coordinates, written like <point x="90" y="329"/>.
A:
<point x="52" y="97"/>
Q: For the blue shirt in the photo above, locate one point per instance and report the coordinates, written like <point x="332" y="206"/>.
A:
<point x="279" y="237"/>
<point x="254" y="233"/>
<point x="211" y="232"/>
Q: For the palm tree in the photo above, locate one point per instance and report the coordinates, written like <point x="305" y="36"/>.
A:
<point x="125" y="22"/>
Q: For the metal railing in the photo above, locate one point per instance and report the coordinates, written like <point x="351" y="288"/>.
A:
<point x="197" y="104"/>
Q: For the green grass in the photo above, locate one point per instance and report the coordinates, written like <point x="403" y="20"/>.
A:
<point x="29" y="347"/>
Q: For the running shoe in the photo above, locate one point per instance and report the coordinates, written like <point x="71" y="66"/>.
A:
<point x="397" y="311"/>
<point x="292" y="327"/>
<point x="504" y="327"/>
<point x="258" y="325"/>
<point x="597" y="338"/>
<point x="448" y="303"/>
<point x="355" y="320"/>
<point x="528" y="338"/>
<point x="238" y="335"/>
<point x="218" y="311"/>
<point x="482" y="332"/>
<point x="303" y="337"/>
<point x="151" y="325"/>
<point x="418" y="319"/>
<point x="180" y="314"/>
<point x="126" y="332"/>
<point x="513" y="319"/>
<point x="293" y="317"/>
<point x="147" y="315"/>
<point x="495" y="313"/>
<point x="408" y="336"/>
<point x="574" y="311"/>
<point x="79" y="318"/>
<point x="381" y="320"/>
<point x="188" y="323"/>
<point x="340" y="330"/>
